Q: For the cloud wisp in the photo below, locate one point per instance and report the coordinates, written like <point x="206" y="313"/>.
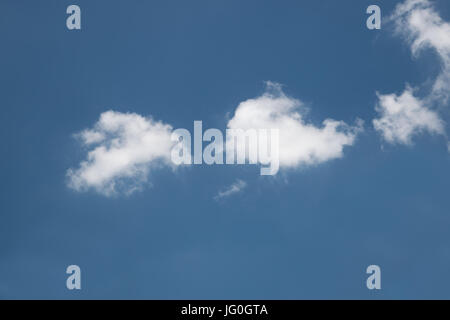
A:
<point x="124" y="147"/>
<point x="401" y="117"/>
<point x="418" y="22"/>
<point x="234" y="188"/>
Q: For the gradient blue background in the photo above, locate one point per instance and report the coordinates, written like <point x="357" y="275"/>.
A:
<point x="179" y="61"/>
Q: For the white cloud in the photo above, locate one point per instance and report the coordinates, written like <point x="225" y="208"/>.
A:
<point x="300" y="143"/>
<point x="236" y="187"/>
<point x="124" y="147"/>
<point x="404" y="116"/>
<point x="422" y="27"/>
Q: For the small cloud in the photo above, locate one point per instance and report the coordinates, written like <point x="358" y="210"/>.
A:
<point x="236" y="187"/>
<point x="301" y="143"/>
<point x="124" y="148"/>
<point x="402" y="117"/>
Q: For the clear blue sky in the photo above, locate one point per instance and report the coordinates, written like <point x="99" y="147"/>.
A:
<point x="310" y="233"/>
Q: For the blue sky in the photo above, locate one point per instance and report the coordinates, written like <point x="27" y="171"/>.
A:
<point x="309" y="232"/>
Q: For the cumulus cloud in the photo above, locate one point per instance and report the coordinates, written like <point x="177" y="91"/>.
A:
<point x="404" y="116"/>
<point x="123" y="148"/>
<point x="401" y="117"/>
<point x="300" y="143"/>
<point x="234" y="188"/>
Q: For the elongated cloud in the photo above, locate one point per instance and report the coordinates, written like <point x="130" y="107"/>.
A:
<point x="124" y="147"/>
<point x="234" y="188"/>
<point x="420" y="25"/>
<point x="403" y="116"/>
<point x="300" y="143"/>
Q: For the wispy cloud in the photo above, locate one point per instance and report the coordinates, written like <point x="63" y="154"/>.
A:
<point x="300" y="143"/>
<point x="421" y="26"/>
<point x="403" y="116"/>
<point x="234" y="188"/>
<point x="124" y="147"/>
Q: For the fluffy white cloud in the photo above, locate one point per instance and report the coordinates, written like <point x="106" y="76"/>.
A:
<point x="124" y="147"/>
<point x="300" y="143"/>
<point x="404" y="116"/>
<point x="234" y="188"/>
